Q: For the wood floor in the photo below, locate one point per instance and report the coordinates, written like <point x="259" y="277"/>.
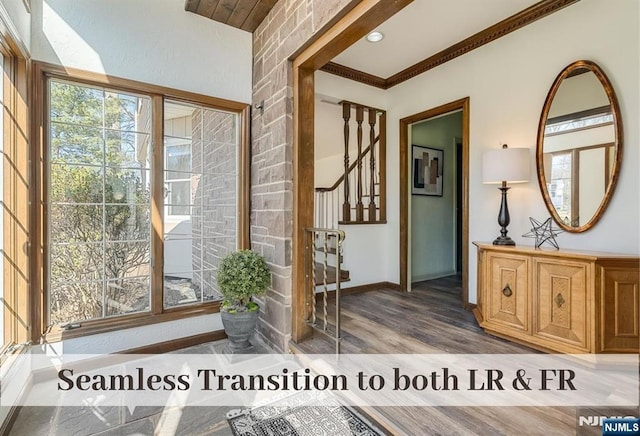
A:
<point x="431" y="319"/>
<point x="428" y="320"/>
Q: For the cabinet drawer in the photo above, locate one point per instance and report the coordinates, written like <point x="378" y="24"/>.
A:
<point x="506" y="292"/>
<point x="560" y="301"/>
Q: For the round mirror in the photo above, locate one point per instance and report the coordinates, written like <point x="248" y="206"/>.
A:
<point x="579" y="146"/>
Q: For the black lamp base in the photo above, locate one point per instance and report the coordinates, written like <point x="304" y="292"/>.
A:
<point x="503" y="219"/>
<point x="504" y="240"/>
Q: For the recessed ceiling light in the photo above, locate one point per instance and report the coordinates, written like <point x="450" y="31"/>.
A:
<point x="375" y="36"/>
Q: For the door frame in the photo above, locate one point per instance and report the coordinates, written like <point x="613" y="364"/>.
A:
<point x="354" y="22"/>
<point x="405" y="123"/>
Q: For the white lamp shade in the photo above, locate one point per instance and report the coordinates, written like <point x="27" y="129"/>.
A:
<point x="506" y="165"/>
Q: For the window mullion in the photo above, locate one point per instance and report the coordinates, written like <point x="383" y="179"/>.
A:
<point x="157" y="204"/>
<point x="201" y="202"/>
<point x="104" y="207"/>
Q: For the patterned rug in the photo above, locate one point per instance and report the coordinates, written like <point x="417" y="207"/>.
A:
<point x="301" y="415"/>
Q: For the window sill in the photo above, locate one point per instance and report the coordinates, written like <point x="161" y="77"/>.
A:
<point x="106" y="325"/>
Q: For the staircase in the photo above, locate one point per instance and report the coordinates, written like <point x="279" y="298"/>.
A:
<point x="359" y="194"/>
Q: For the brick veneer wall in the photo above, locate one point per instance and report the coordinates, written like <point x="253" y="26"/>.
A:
<point x="288" y="26"/>
<point x="214" y="224"/>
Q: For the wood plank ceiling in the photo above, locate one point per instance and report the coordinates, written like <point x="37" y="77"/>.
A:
<point x="242" y="14"/>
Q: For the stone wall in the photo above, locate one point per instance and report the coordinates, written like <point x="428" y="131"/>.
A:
<point x="288" y="26"/>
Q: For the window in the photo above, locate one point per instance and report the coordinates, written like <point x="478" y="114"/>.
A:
<point x="99" y="203"/>
<point x="178" y="191"/>
<point x="14" y="193"/>
<point x="579" y="180"/>
<point x="200" y="201"/>
<point x="560" y="186"/>
<point x="594" y="118"/>
<point x="3" y="339"/>
<point x="141" y="197"/>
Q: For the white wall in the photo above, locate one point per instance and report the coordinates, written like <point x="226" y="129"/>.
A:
<point x="17" y="19"/>
<point x="329" y="139"/>
<point x="592" y="182"/>
<point x="152" y="41"/>
<point x="580" y="138"/>
<point x="156" y="42"/>
<point x="578" y="93"/>
<point x="127" y="339"/>
<point x="507" y="82"/>
<point x="433" y="218"/>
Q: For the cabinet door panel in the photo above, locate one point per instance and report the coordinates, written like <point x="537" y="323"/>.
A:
<point x="620" y="309"/>
<point x="508" y="301"/>
<point x="560" y="301"/>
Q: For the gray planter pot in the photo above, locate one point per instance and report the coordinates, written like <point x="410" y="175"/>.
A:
<point x="239" y="327"/>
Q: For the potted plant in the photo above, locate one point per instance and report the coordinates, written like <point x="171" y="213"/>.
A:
<point x="241" y="275"/>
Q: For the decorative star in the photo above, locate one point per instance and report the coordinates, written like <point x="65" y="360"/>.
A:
<point x="543" y="232"/>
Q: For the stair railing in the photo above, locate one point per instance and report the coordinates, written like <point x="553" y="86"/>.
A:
<point x="358" y="196"/>
<point x="320" y="245"/>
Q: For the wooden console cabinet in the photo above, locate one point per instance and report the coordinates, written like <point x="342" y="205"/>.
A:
<point x="560" y="300"/>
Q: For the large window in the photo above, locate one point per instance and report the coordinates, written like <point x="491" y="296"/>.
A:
<point x="14" y="207"/>
<point x="200" y="200"/>
<point x="141" y="198"/>
<point x="99" y="203"/>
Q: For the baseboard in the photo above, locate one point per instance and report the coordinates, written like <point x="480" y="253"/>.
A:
<point x="423" y="277"/>
<point x="177" y="344"/>
<point x="391" y="285"/>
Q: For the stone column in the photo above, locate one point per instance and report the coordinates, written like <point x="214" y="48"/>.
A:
<point x="289" y="25"/>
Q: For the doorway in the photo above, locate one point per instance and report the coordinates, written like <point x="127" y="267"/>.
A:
<point x="449" y="211"/>
<point x="436" y="225"/>
<point x="356" y="23"/>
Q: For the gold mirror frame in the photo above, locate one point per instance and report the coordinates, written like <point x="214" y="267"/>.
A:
<point x="617" y="121"/>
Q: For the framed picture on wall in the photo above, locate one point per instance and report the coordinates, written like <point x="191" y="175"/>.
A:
<point x="427" y="170"/>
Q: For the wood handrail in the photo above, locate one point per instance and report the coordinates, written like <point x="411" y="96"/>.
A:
<point x="351" y="167"/>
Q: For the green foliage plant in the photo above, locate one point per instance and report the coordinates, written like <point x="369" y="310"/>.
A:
<point x="242" y="275"/>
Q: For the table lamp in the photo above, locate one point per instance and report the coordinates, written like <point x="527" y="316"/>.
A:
<point x="505" y="165"/>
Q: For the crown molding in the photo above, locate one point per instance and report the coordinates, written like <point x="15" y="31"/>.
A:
<point x="353" y="74"/>
<point x="491" y="33"/>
